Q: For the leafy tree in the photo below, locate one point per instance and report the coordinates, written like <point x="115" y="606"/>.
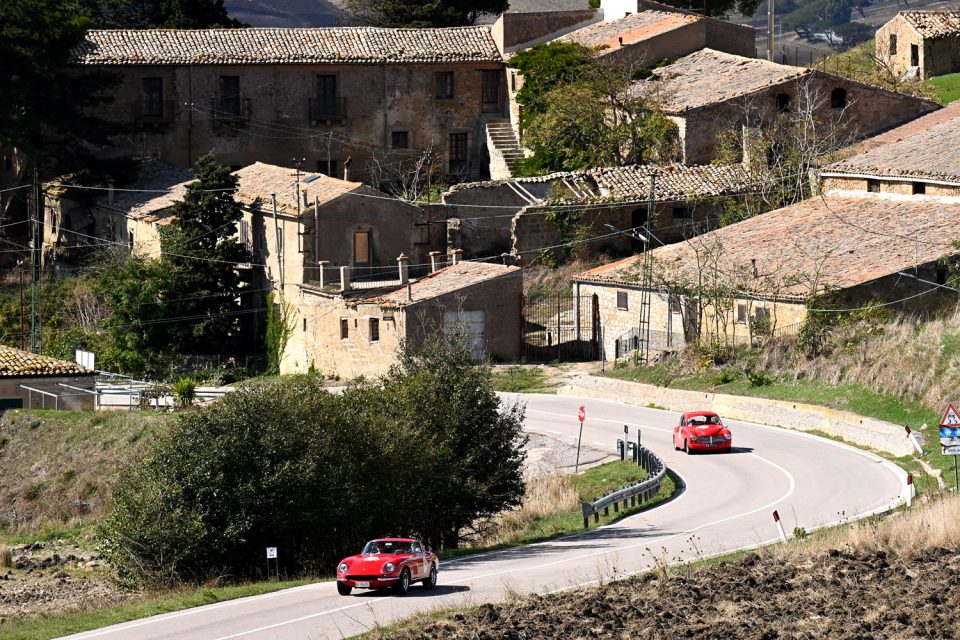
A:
<point x="545" y="67"/>
<point x="425" y="13"/>
<point x="155" y="14"/>
<point x="47" y="107"/>
<point x="202" y="253"/>
<point x="598" y="120"/>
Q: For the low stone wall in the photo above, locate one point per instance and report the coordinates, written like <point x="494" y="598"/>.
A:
<point x="868" y="432"/>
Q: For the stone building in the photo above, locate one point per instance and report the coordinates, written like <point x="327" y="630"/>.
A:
<point x="866" y="246"/>
<point x="349" y="331"/>
<point x="709" y="92"/>
<point x="34" y="381"/>
<point x="920" y="44"/>
<point x="514" y="216"/>
<point x="921" y="157"/>
<point x="381" y="97"/>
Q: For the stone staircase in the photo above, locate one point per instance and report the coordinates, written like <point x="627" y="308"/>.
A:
<point x="506" y="154"/>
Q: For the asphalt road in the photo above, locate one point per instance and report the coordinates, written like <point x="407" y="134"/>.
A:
<point x="727" y="505"/>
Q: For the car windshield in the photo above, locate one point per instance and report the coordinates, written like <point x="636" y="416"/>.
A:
<point x="698" y="420"/>
<point x="387" y="546"/>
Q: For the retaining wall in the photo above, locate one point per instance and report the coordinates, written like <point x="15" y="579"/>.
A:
<point x="868" y="432"/>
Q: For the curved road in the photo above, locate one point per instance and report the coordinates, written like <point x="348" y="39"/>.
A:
<point x="727" y="505"/>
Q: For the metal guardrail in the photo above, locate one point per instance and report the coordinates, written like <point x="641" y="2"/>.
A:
<point x="633" y="495"/>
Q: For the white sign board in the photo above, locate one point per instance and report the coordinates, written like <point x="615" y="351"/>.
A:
<point x="952" y="450"/>
<point x="271" y="553"/>
<point x="85" y="359"/>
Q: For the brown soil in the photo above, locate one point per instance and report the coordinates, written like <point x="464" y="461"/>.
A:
<point x="55" y="577"/>
<point x="837" y="595"/>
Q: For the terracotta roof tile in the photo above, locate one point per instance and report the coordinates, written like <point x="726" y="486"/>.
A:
<point x="928" y="147"/>
<point x="258" y="181"/>
<point x="933" y="24"/>
<point x="708" y="76"/>
<point x="162" y="184"/>
<point x="15" y="363"/>
<point x="850" y="240"/>
<point x="448" y="280"/>
<point x="634" y="29"/>
<point x="333" y="45"/>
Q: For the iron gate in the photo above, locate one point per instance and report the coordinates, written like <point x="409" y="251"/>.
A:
<point x="561" y="327"/>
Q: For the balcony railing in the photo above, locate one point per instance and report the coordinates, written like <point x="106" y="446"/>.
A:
<point x="232" y="109"/>
<point x="327" y="109"/>
<point x="148" y="110"/>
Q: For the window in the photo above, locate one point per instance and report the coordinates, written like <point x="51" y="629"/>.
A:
<point x="327" y="168"/>
<point x="374" y="329"/>
<point x="680" y="213"/>
<point x="919" y="188"/>
<point x="130" y="237"/>
<point x="783" y="103"/>
<point x="457" y="152"/>
<point x="873" y="186"/>
<point x="361" y="247"/>
<point x="838" y="98"/>
<point x="400" y="140"/>
<point x="304" y="324"/>
<point x="941" y="276"/>
<point x="245" y="233"/>
<point x="229" y="96"/>
<point x="742" y="313"/>
<point x="761" y="314"/>
<point x="622" y="301"/>
<point x="675" y="306"/>
<point x="893" y="44"/>
<point x="327" y="103"/>
<point x="344" y="328"/>
<point x="151" y="105"/>
<point x="445" y="85"/>
<point x="491" y="91"/>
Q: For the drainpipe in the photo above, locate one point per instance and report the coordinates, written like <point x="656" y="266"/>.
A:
<point x="316" y="234"/>
<point x="386" y="128"/>
<point x="276" y="233"/>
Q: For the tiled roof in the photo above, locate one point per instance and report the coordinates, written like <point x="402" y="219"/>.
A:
<point x="15" y="363"/>
<point x="933" y="24"/>
<point x="928" y="147"/>
<point x="708" y="76"/>
<point x="447" y="280"/>
<point x="848" y="240"/>
<point x="157" y="186"/>
<point x="258" y="181"/>
<point x="333" y="45"/>
<point x="634" y="28"/>
<point x="674" y="182"/>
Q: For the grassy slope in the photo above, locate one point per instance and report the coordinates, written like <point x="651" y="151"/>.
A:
<point x="517" y="379"/>
<point x="55" y="467"/>
<point x="947" y="88"/>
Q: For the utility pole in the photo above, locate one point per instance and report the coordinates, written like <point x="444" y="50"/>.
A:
<point x="771" y="8"/>
<point x="23" y="333"/>
<point x="35" y="261"/>
<point x="646" y="294"/>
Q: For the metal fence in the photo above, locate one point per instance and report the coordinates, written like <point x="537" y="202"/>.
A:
<point x="631" y="496"/>
<point x="561" y="327"/>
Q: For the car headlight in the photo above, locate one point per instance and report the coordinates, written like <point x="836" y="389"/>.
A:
<point x="343" y="567"/>
<point x="693" y="437"/>
<point x="727" y="436"/>
<point x="389" y="567"/>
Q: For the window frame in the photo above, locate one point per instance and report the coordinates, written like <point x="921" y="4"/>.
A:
<point x="873" y="185"/>
<point x="892" y="44"/>
<point x="458" y="151"/>
<point x="623" y="300"/>
<point x="406" y="139"/>
<point x="344" y="328"/>
<point x="444" y="85"/>
<point x="373" y="328"/>
<point x="365" y="233"/>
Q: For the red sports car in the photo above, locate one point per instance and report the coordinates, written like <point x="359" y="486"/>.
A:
<point x="701" y="431"/>
<point x="388" y="562"/>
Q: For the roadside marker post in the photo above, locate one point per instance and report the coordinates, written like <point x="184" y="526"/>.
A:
<point x="581" y="416"/>
<point x="776" y="519"/>
<point x="910" y="489"/>
<point x="272" y="555"/>
<point x="638" y="444"/>
<point x="913" y="439"/>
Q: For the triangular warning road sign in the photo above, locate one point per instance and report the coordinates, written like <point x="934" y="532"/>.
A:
<point x="950" y="418"/>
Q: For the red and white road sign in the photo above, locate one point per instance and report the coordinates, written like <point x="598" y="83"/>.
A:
<point x="582" y="414"/>
<point x="950" y="417"/>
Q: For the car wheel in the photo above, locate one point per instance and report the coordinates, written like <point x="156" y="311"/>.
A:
<point x="403" y="584"/>
<point x="344" y="589"/>
<point x="431" y="580"/>
<point x="686" y="448"/>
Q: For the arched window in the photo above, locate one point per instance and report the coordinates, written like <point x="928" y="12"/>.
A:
<point x="838" y="98"/>
<point x="783" y="103"/>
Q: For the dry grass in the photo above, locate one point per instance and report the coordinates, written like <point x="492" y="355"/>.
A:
<point x="547" y="496"/>
<point x="6" y="557"/>
<point x="542" y="280"/>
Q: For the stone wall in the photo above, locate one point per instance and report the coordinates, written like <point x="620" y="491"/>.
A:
<point x="868" y="432"/>
<point x="377" y="100"/>
<point x="670" y="45"/>
<point x="901" y="187"/>
<point x="513" y="29"/>
<point x="936" y="56"/>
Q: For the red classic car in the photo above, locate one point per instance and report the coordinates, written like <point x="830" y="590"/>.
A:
<point x="701" y="431"/>
<point x="388" y="562"/>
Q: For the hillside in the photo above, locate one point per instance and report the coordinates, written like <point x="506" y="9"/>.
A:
<point x="55" y="467"/>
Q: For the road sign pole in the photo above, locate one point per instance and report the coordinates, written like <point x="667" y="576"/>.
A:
<point x="580" y="437"/>
<point x="956" y="478"/>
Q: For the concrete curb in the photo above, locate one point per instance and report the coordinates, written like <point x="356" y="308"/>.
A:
<point x="867" y="432"/>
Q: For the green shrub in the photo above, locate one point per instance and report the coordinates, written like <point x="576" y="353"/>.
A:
<point x="724" y="376"/>
<point x="757" y="378"/>
<point x="185" y="391"/>
<point x="34" y="491"/>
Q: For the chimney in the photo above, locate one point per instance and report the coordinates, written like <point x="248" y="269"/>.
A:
<point x="306" y="199"/>
<point x="456" y="255"/>
<point x="344" y="278"/>
<point x="321" y="272"/>
<point x="346" y="167"/>
<point x="621" y="40"/>
<point x="433" y="261"/>
<point x="403" y="266"/>
<point x="110" y="191"/>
